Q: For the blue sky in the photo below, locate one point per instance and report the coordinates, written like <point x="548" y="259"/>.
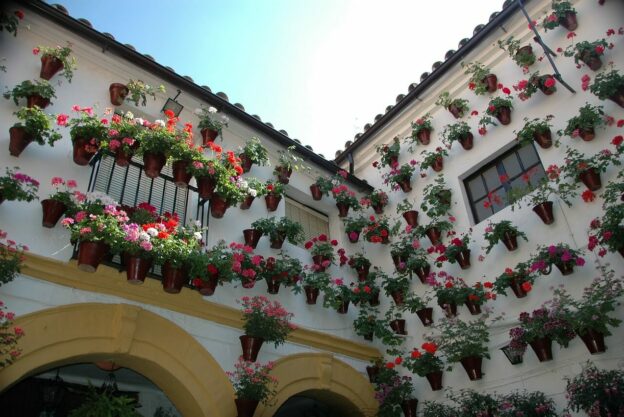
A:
<point x="320" y="69"/>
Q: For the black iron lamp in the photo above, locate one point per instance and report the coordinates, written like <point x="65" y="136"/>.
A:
<point x="514" y="357"/>
<point x="173" y="105"/>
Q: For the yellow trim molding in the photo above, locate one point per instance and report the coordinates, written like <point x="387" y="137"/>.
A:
<point x="132" y="337"/>
<point x="107" y="280"/>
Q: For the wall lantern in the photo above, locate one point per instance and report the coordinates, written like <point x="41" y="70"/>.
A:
<point x="173" y="105"/>
<point x="514" y="357"/>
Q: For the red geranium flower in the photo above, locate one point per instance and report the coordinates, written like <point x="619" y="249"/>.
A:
<point x="617" y="141"/>
<point x="588" y="196"/>
<point x="430" y="347"/>
<point x="526" y="286"/>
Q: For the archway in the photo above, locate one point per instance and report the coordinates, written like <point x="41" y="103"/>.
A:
<point x="322" y="377"/>
<point x="132" y="337"/>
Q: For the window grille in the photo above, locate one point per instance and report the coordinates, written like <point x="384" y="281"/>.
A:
<point x="313" y="222"/>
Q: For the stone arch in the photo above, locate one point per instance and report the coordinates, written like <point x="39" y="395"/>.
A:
<point x="322" y="376"/>
<point x="132" y="337"/>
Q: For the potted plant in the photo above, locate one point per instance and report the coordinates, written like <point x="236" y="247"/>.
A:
<point x="395" y="394"/>
<point x="322" y="186"/>
<point x="434" y="229"/>
<point x="607" y="232"/>
<point x="246" y="266"/>
<point x="545" y="83"/>
<point x="106" y="402"/>
<point x="361" y="264"/>
<point x="588" y="169"/>
<point x="522" y="55"/>
<point x="282" y="269"/>
<point x="539" y="329"/>
<point x="421" y="130"/>
<point x="426" y="364"/>
<point x="396" y="286"/>
<point x="436" y="198"/>
<point x="264" y="320"/>
<point x="230" y="189"/>
<point x="210" y="124"/>
<point x="526" y="404"/>
<point x="434" y="409"/>
<point x="313" y="281"/>
<point x="433" y="160"/>
<point x="58" y="203"/>
<point x="458" y="106"/>
<point x="56" y="59"/>
<point x="377" y="230"/>
<point x="9" y="351"/>
<point x="287" y="161"/>
<point x="211" y="268"/>
<point x="87" y="130"/>
<point x="10" y="21"/>
<point x="500" y="107"/>
<point x="459" y="251"/>
<point x="367" y="323"/>
<point x="538" y="130"/>
<point x="376" y="199"/>
<point x="406" y="209"/>
<point x="36" y="92"/>
<point x="337" y="295"/>
<point x="585" y="124"/>
<point x="503" y="231"/>
<point x="475" y="404"/>
<point x="354" y="226"/>
<point x="449" y="290"/>
<point x="560" y="255"/>
<point x="34" y="125"/>
<point x="181" y="155"/>
<point x="322" y="251"/>
<point x="273" y="192"/>
<point x="609" y="85"/>
<point x="12" y="260"/>
<point x="588" y="52"/>
<point x="252" y="384"/>
<point x="418" y="261"/>
<point x="402" y="250"/>
<point x="400" y="176"/>
<point x="482" y="81"/>
<point x="590" y="316"/>
<point x="419" y="305"/>
<point x="394" y="318"/>
<point x="458" y="132"/>
<point x="253" y="153"/>
<point x="519" y="279"/>
<point x="136" y="92"/>
<point x="252" y="187"/>
<point x="562" y="14"/>
<point x="596" y="391"/>
<point x="136" y="248"/>
<point x="389" y="153"/>
<point x="17" y="186"/>
<point x="280" y="230"/>
<point x="345" y="199"/>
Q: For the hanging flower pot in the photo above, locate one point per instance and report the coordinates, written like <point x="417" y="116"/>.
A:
<point x="246" y="203"/>
<point x="283" y="174"/>
<point x="205" y="187"/>
<point x="208" y="136"/>
<point x="273" y="284"/>
<point x="83" y="151"/>
<point x="251" y="346"/>
<point x="565" y="268"/>
<point x="543" y="139"/>
<point x="435" y="380"/>
<point x="473" y="307"/>
<point x="434" y="234"/>
<point x="545" y="212"/>
<point x="343" y="308"/>
<point x="180" y="176"/>
<point x="591" y="178"/>
<point x="455" y="110"/>
<point x="53" y="210"/>
<point x="207" y="288"/>
<point x="277" y="241"/>
<point x="516" y="287"/>
<point x="504" y="115"/>
<point x="373" y="372"/>
<point x="472" y="366"/>
<point x="318" y="261"/>
<point x="50" y="66"/>
<point x="405" y="185"/>
<point x="91" y="254"/>
<point x="569" y="21"/>
<point x="248" y="282"/>
<point x="467" y="141"/>
<point x="393" y="160"/>
<point x="311" y="294"/>
<point x="542" y="348"/>
<point x="463" y="259"/>
<point x="118" y="93"/>
<point x="398" y="297"/>
<point x="587" y="134"/>
<point x="136" y="268"/>
<point x="245" y="408"/>
<point x="316" y="192"/>
<point x="218" y="206"/>
<point x="374" y="301"/>
<point x="398" y="326"/>
<point x="618" y="97"/>
<point x="594" y="341"/>
<point x="354" y="237"/>
<point x="122" y="158"/>
<point x="411" y="217"/>
<point x="343" y="209"/>
<point x="450" y="309"/>
<point x="378" y="208"/>
<point x="591" y="59"/>
<point x="399" y="263"/>
<point x="272" y="201"/>
<point x="510" y="240"/>
<point x="153" y="163"/>
<point x="409" y="407"/>
<point x="363" y="273"/>
<point x="491" y="83"/>
<point x="19" y="140"/>
<point x="246" y="162"/>
<point x="37" y="100"/>
<point x="424" y="136"/>
<point x="174" y="278"/>
<point x="438" y="164"/>
<point x="524" y="51"/>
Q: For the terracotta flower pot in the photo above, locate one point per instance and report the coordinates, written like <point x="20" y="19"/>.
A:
<point x="374" y="301"/>
<point x="543" y="88"/>
<point x="434" y="234"/>
<point x="398" y="297"/>
<point x="251" y="346"/>
<point x="122" y="158"/>
<point x="545" y="212"/>
<point x="491" y="83"/>
<point x="343" y="209"/>
<point x="19" y="140"/>
<point x="566" y="268"/>
<point x="207" y="288"/>
<point x="245" y="408"/>
<point x="218" y="206"/>
<point x="273" y="284"/>
<point x="246" y="203"/>
<point x="399" y="263"/>
<point x="372" y="372"/>
<point x="542" y="348"/>
<point x="343" y="308"/>
<point x="435" y="380"/>
<point x="272" y="201"/>
<point x="311" y="294"/>
<point x="363" y="273"/>
<point x="277" y="242"/>
<point x="82" y="152"/>
<point x="618" y="97"/>
<point x="91" y="254"/>
<point x="411" y="217"/>
<point x="174" y="278"/>
<point x="424" y="136"/>
<point x="450" y="309"/>
<point x="591" y="59"/>
<point x="378" y="208"/>
<point x="49" y="66"/>
<point x="524" y="50"/>
<point x="180" y="176"/>
<point x="37" y="100"/>
<point x="473" y="307"/>
<point x="283" y="174"/>
<point x="543" y="139"/>
<point x="136" y="268"/>
<point x="472" y="366"/>
<point x="456" y="111"/>
<point x="118" y="93"/>
<point x="568" y="21"/>
<point x="318" y="261"/>
<point x="205" y="187"/>
<point x="405" y="185"/>
<point x="510" y="240"/>
<point x="53" y="210"/>
<point x="587" y="134"/>
<point x="438" y="164"/>
<point x="208" y="136"/>
<point x="393" y="160"/>
<point x="398" y="326"/>
<point x="594" y="341"/>
<point x="504" y="115"/>
<point x="354" y="237"/>
<point x="317" y="194"/>
<point x="467" y="141"/>
<point x="246" y="162"/>
<point x="153" y="163"/>
<point x="516" y="287"/>
<point x="409" y="407"/>
<point x="463" y="259"/>
<point x="591" y="178"/>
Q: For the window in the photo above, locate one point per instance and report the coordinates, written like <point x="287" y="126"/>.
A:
<point x="313" y="222"/>
<point x="488" y="187"/>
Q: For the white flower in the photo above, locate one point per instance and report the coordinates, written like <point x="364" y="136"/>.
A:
<point x="144" y="236"/>
<point x="139" y="121"/>
<point x="198" y="112"/>
<point x="336" y="182"/>
<point x="225" y="119"/>
<point x="212" y="110"/>
<point x="160" y="123"/>
<point x="104" y="199"/>
<point x="129" y="115"/>
<point x="197" y="223"/>
<point x="152" y="232"/>
<point x="197" y="235"/>
<point x="244" y="184"/>
<point x="252" y="192"/>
